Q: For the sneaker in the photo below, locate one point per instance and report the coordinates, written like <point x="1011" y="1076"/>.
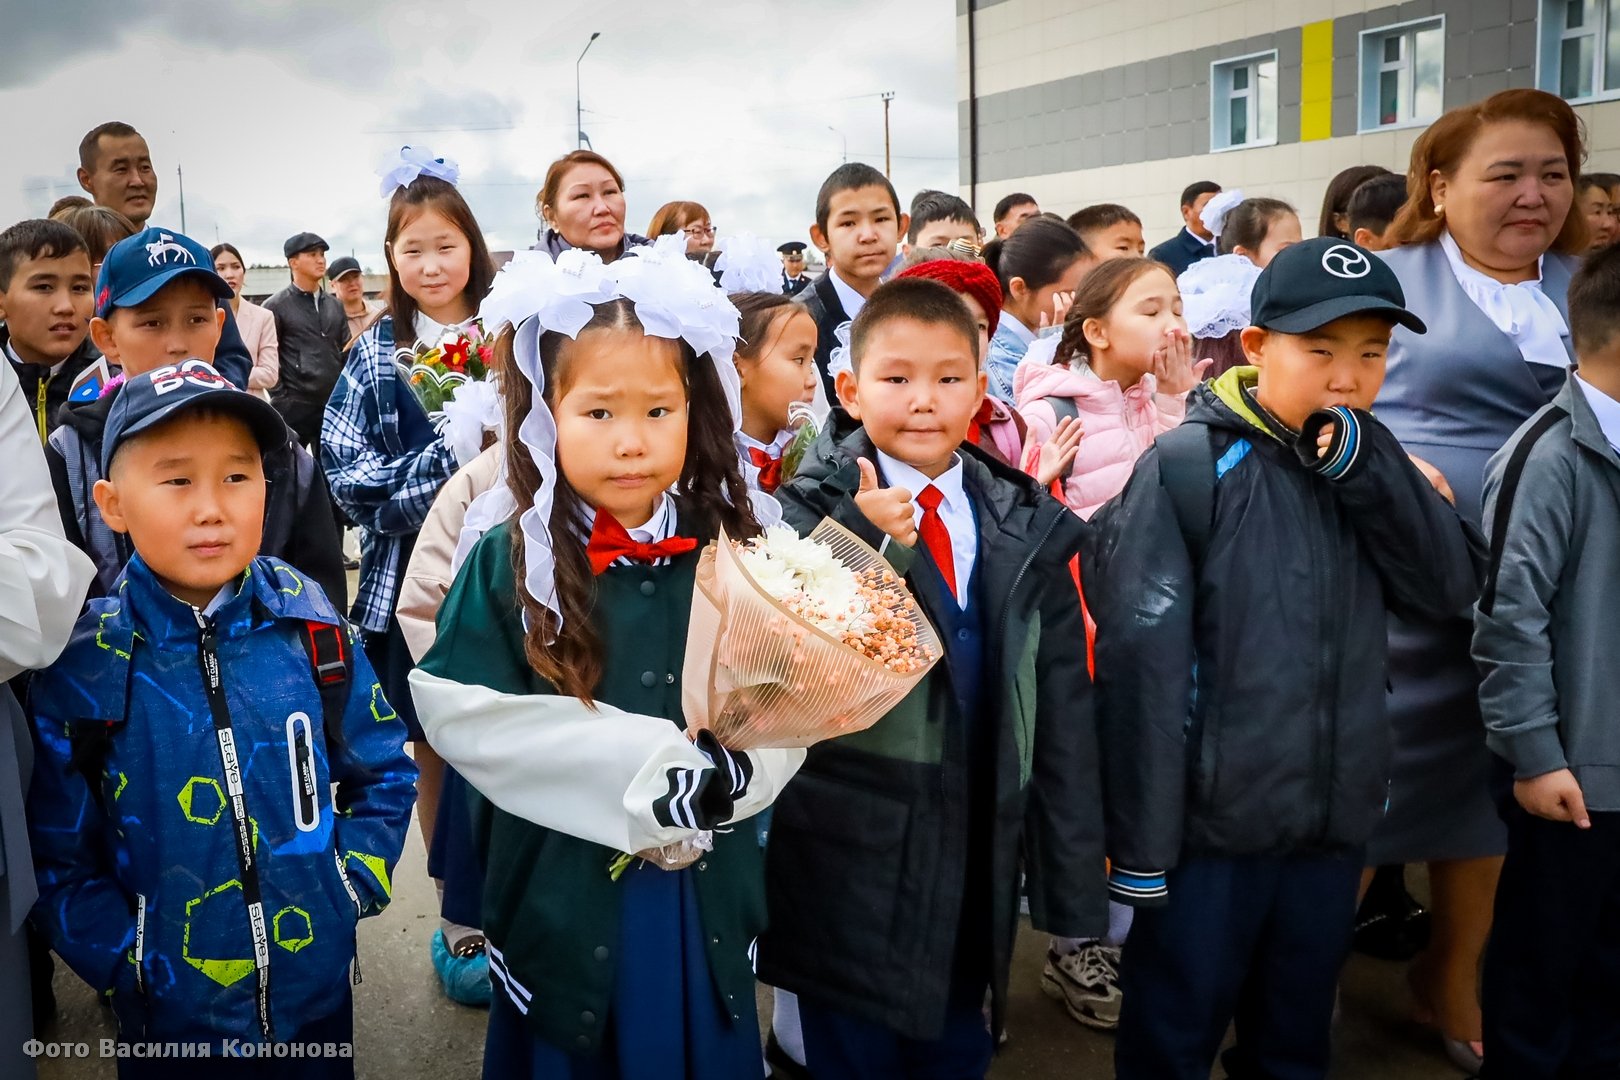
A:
<point x="464" y="974"/>
<point x="1086" y="981"/>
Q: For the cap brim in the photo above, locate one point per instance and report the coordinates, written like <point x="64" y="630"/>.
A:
<point x="346" y="273"/>
<point x="1318" y="315"/>
<point x="147" y="289"/>
<point x="269" y="429"/>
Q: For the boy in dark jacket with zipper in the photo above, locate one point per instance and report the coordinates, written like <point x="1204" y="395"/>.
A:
<point x="221" y="790"/>
<point x="157" y="304"/>
<point x="1546" y="638"/>
<point x="894" y="858"/>
<point x="1242" y="582"/>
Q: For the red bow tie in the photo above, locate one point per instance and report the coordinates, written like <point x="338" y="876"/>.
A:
<point x="770" y="469"/>
<point x="986" y="413"/>
<point x="610" y="542"/>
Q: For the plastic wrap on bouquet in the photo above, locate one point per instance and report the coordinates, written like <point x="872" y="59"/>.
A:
<point x="796" y="640"/>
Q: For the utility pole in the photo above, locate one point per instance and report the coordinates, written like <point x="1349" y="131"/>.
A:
<point x="888" y="96"/>
<point x="579" y="122"/>
<point x="181" y="176"/>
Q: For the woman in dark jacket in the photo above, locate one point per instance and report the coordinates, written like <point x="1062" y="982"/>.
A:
<point x="582" y="204"/>
<point x="1489" y="250"/>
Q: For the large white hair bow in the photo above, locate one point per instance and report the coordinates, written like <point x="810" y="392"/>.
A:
<point x="1214" y="213"/>
<point x="748" y="264"/>
<point x="400" y="169"/>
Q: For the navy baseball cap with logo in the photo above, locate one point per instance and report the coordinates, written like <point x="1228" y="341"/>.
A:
<point x="1310" y="284"/>
<point x="138" y="266"/>
<point x="145" y="401"/>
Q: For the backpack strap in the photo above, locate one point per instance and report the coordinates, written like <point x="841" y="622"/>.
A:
<point x="1188" y="473"/>
<point x="331" y="662"/>
<point x="1504" y="498"/>
<point x="1063" y="408"/>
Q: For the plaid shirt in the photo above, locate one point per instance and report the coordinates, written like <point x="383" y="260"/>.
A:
<point x="382" y="483"/>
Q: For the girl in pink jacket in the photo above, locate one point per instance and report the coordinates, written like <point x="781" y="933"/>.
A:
<point x="1122" y="370"/>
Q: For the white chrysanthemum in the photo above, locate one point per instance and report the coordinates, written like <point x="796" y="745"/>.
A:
<point x="809" y="578"/>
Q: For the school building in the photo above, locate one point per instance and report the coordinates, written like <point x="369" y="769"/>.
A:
<point x="1085" y="101"/>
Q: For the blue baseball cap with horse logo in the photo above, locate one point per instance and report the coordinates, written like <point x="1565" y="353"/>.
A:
<point x="138" y="266"/>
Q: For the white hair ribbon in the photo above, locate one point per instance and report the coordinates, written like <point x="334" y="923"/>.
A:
<point x="398" y="171"/>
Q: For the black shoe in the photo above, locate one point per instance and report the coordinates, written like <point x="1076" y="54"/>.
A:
<point x="350" y="564"/>
<point x="1391" y="925"/>
<point x="782" y="1066"/>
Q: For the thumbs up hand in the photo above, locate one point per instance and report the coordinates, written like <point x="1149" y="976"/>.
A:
<point x="887" y="508"/>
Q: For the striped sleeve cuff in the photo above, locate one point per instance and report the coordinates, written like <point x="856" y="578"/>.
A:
<point x="1138" y="888"/>
<point x="1343" y="451"/>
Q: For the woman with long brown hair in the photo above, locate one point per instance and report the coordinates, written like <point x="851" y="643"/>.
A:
<point x="1489" y="246"/>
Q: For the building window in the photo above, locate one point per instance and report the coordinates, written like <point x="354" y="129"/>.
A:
<point x="1402" y="71"/>
<point x="1580" y="48"/>
<point x="1243" y="105"/>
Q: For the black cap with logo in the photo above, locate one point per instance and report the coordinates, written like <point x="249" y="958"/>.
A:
<point x="1310" y="284"/>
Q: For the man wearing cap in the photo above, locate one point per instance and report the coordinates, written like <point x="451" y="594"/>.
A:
<point x="1254" y="558"/>
<point x="794" y="279"/>
<point x="312" y="328"/>
<point x="349" y="286"/>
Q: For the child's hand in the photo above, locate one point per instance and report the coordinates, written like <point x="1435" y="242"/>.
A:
<point x="1555" y="796"/>
<point x="1057" y="453"/>
<point x="1173" y="366"/>
<point x="1061" y="303"/>
<point x="887" y="508"/>
<point x="1324" y="439"/>
<point x="1435" y="477"/>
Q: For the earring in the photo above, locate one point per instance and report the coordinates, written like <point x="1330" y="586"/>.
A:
<point x="1439" y="209"/>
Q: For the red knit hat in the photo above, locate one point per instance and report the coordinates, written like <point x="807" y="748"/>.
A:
<point x="968" y="278"/>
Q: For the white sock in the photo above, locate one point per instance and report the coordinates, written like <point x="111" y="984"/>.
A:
<point x="785" y="1025"/>
<point x="1119" y="923"/>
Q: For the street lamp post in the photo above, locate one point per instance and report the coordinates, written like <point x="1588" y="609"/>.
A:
<point x="841" y="135"/>
<point x="579" y="122"/>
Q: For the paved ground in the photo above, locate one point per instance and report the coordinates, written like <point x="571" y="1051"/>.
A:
<point x="407" y="1029"/>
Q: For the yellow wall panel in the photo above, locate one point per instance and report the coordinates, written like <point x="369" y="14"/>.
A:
<point x="1316" y="81"/>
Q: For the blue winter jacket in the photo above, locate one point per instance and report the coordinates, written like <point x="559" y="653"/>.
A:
<point x="144" y="888"/>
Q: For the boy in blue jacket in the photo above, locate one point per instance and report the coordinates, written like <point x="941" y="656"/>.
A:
<point x="192" y="859"/>
<point x="1244" y="577"/>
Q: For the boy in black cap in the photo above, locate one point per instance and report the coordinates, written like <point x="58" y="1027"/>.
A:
<point x="1241" y="587"/>
<point x="794" y="279"/>
<point x="312" y="330"/>
<point x="221" y="789"/>
<point x="157" y="303"/>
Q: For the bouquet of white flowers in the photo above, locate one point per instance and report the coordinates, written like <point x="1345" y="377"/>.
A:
<point x="794" y="640"/>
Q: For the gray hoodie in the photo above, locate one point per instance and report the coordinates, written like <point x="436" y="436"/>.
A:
<point x="1548" y="639"/>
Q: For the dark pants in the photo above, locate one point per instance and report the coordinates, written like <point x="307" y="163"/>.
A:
<point x="1258" y="940"/>
<point x="336" y="1028"/>
<point x="1551" y="989"/>
<point x="841" y="1047"/>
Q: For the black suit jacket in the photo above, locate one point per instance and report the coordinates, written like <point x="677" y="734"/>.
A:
<point x="821" y="301"/>
<point x="1181" y="251"/>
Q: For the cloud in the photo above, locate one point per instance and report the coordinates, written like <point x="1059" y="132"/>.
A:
<point x="280" y="114"/>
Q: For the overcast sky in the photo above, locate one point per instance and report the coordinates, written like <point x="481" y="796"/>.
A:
<point x="280" y="111"/>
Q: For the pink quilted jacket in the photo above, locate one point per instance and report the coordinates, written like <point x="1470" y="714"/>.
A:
<point x="1119" y="426"/>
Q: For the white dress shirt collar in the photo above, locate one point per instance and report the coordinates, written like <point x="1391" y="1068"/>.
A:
<point x="1523" y="312"/>
<point x="1605" y="408"/>
<point x="955" y="510"/>
<point x="851" y="300"/>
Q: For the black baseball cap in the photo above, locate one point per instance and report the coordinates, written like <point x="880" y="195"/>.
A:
<point x="304" y="241"/>
<point x="145" y="401"/>
<point x="343" y="264"/>
<point x="1310" y="284"/>
<point x="793" y="247"/>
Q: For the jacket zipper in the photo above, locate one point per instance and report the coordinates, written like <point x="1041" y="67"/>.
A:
<point x="236" y="801"/>
<point x="354" y="898"/>
<point x="140" y="942"/>
<point x="1327" y="681"/>
<point x="39" y="404"/>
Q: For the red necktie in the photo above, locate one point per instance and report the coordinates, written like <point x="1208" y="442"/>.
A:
<point x="770" y="469"/>
<point x="986" y="413"/>
<point x="610" y="542"/>
<point x="936" y="536"/>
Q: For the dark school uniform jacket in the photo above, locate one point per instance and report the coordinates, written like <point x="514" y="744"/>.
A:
<point x="1181" y="251"/>
<point x="1243" y="692"/>
<point x="46" y="390"/>
<point x="620" y="777"/>
<point x="867" y="869"/>
<point x="821" y="301"/>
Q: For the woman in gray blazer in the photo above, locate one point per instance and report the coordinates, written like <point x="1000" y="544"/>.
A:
<point x="1489" y="249"/>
